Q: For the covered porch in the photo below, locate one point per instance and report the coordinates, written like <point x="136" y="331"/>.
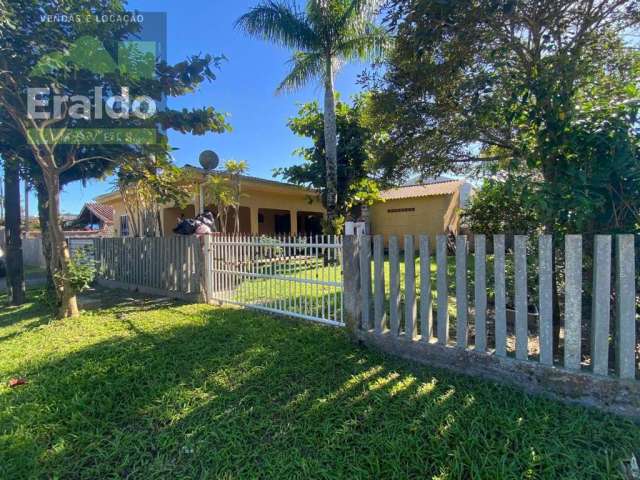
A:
<point x="274" y="221"/>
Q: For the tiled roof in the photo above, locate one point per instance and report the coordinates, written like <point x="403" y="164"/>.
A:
<point x="249" y="177"/>
<point x="416" y="191"/>
<point x="103" y="212"/>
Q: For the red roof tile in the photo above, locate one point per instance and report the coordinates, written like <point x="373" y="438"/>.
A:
<point x="103" y="212"/>
<point x="415" y="191"/>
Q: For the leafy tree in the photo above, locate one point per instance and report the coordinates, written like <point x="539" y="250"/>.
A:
<point x="356" y="150"/>
<point x="146" y="183"/>
<point x="234" y="171"/>
<point x="1" y="201"/>
<point x="474" y="81"/>
<point x="217" y="191"/>
<point x="14" y="261"/>
<point x="503" y="205"/>
<point x="324" y="36"/>
<point x="510" y="86"/>
<point x="595" y="192"/>
<point x="224" y="190"/>
<point x="24" y="43"/>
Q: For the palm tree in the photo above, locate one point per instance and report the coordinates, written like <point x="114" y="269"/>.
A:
<point x="327" y="34"/>
<point x="235" y="169"/>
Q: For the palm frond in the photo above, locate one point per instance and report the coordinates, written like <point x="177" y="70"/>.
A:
<point x="359" y="13"/>
<point x="280" y="22"/>
<point x="305" y="66"/>
<point x="369" y="45"/>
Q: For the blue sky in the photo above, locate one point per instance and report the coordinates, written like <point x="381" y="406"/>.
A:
<point x="244" y="89"/>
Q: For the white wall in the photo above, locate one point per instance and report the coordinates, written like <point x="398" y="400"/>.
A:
<point x="32" y="252"/>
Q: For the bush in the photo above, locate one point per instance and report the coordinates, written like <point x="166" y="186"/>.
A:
<point x="82" y="269"/>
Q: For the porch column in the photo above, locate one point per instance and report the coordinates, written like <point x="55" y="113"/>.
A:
<point x="200" y="204"/>
<point x="253" y="214"/>
<point x="293" y="215"/>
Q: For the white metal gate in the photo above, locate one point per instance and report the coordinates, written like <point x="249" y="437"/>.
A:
<point x="295" y="276"/>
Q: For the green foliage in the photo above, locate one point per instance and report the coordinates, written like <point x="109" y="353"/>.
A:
<point x="546" y="91"/>
<point x="502" y="206"/>
<point x="335" y="31"/>
<point x="325" y="36"/>
<point x="356" y="162"/>
<point x="472" y="80"/>
<point x="25" y="40"/>
<point x="134" y="389"/>
<point x="224" y="191"/>
<point x="82" y="270"/>
<point x="234" y="169"/>
<point x="217" y="191"/>
<point x="147" y="182"/>
<point x="363" y="192"/>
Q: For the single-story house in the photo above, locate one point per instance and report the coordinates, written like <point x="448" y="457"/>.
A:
<point x="95" y="219"/>
<point x="431" y="207"/>
<point x="270" y="207"/>
<point x="267" y="207"/>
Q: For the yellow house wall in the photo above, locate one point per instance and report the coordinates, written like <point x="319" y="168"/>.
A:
<point x="170" y="217"/>
<point x="118" y="210"/>
<point x="431" y="216"/>
<point x="256" y="195"/>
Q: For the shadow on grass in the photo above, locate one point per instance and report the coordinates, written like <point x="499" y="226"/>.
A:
<point x="234" y="394"/>
<point x="22" y="318"/>
<point x="123" y="301"/>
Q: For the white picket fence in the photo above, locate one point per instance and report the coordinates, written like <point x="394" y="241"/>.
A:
<point x="408" y="312"/>
<point x="169" y="266"/>
<point x="295" y="276"/>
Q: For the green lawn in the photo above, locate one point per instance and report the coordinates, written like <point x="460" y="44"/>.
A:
<point x="156" y="390"/>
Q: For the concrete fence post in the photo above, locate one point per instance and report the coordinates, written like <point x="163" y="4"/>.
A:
<point x="206" y="251"/>
<point x="625" y="307"/>
<point x="573" y="302"/>
<point x="351" y="289"/>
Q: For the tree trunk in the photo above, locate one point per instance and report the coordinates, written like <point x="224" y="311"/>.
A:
<point x="15" y="269"/>
<point x="160" y="232"/>
<point x="43" y="216"/>
<point x="67" y="302"/>
<point x="330" y="145"/>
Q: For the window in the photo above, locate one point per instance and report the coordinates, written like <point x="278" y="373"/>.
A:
<point x="400" y="210"/>
<point x="124" y="226"/>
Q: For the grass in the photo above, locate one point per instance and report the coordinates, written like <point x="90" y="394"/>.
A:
<point x="314" y="300"/>
<point x="151" y="389"/>
<point x="34" y="271"/>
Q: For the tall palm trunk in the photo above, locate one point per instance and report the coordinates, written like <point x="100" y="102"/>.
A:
<point x="15" y="269"/>
<point x="330" y="145"/>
